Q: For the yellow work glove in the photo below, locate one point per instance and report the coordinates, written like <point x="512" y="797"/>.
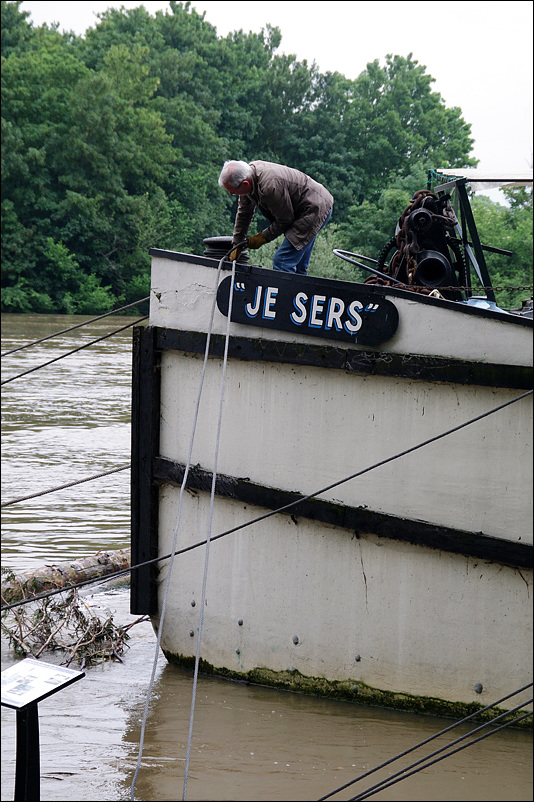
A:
<point x="256" y="241"/>
<point x="234" y="255"/>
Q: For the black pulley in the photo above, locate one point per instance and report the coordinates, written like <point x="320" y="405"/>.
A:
<point x="217" y="247"/>
<point x="434" y="270"/>
<point x="420" y="220"/>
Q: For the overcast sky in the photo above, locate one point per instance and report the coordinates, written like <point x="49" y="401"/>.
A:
<point x="479" y="53"/>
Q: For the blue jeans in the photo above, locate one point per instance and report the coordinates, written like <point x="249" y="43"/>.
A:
<point x="289" y="260"/>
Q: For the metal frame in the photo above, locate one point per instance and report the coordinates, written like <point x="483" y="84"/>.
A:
<point x="467" y="233"/>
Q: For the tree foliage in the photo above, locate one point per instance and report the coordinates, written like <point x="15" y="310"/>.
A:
<point x="508" y="228"/>
<point x="113" y="142"/>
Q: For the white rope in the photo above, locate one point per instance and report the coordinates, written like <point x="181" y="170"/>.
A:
<point x="206" y="560"/>
<point x="175" y="535"/>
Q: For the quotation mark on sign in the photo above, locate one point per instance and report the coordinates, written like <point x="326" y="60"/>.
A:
<point x="239" y="287"/>
<point x="371" y="308"/>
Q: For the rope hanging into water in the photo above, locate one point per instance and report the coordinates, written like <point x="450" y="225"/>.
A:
<point x="175" y="534"/>
<point x="392" y="779"/>
<point x="74" y="350"/>
<point x="76" y="326"/>
<point x="210" y="521"/>
<point x="432" y="738"/>
<point x="285" y="508"/>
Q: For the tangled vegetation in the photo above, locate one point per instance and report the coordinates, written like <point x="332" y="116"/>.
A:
<point x="66" y="623"/>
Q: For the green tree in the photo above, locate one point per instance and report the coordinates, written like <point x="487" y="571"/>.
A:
<point x="36" y="81"/>
<point x="370" y="225"/>
<point x="16" y="33"/>
<point x="83" y="164"/>
<point x="396" y="121"/>
<point x="508" y="228"/>
<point x="74" y="292"/>
<point x="113" y="142"/>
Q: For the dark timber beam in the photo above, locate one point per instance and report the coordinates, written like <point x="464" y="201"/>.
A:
<point x="374" y="363"/>
<point x="144" y="492"/>
<point x="355" y="519"/>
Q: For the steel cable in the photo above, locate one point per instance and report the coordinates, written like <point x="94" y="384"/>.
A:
<point x="210" y="522"/>
<point x="62" y="487"/>
<point x="175" y="534"/>
<point x="77" y="326"/>
<point x="381" y="786"/>
<point x="291" y="504"/>
<point x="432" y="738"/>
<point x="74" y="350"/>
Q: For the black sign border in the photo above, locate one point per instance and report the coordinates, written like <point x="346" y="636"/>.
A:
<point x="377" y="326"/>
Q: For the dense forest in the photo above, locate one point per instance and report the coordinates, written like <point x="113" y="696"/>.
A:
<point x="112" y="143"/>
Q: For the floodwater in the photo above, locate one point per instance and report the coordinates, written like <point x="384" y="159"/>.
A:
<point x="71" y="420"/>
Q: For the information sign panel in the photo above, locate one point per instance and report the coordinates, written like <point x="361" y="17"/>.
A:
<point x="29" y="681"/>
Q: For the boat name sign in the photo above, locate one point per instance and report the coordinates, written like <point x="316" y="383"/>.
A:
<point x="333" y="310"/>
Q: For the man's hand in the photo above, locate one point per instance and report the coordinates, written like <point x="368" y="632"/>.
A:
<point x="234" y="255"/>
<point x="256" y="241"/>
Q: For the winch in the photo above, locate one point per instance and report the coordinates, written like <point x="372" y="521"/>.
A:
<point x="427" y="257"/>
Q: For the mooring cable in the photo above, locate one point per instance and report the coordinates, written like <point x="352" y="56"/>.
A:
<point x="169" y="572"/>
<point x="390" y="781"/>
<point x="74" y="350"/>
<point x="76" y="326"/>
<point x="63" y="487"/>
<point x="174" y="552"/>
<point x="288" y="506"/>
<point x="428" y="740"/>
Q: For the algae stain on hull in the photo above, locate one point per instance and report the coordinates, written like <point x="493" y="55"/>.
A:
<point x="348" y="691"/>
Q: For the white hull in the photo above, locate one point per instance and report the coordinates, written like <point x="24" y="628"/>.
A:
<point x="411" y="580"/>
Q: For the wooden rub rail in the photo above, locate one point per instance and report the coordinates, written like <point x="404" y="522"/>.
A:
<point x="408" y="366"/>
<point x="355" y="519"/>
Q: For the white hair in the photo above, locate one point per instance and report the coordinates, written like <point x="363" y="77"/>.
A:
<point x="234" y="173"/>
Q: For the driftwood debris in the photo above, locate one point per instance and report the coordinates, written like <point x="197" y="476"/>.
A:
<point x="66" y="574"/>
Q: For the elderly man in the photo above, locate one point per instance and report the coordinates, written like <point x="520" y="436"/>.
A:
<point x="295" y="205"/>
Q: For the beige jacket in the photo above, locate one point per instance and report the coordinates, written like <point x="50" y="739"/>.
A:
<point x="294" y="203"/>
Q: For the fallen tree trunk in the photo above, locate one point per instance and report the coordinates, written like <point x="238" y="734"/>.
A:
<point x="62" y="575"/>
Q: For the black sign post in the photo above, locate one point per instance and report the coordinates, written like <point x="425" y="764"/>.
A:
<point x="24" y="685"/>
<point x="28" y="766"/>
<point x="334" y="310"/>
